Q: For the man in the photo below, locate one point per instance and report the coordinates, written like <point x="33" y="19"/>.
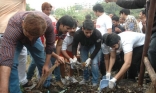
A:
<point x="142" y="23"/>
<point x="131" y="43"/>
<point x="67" y="54"/>
<point x="104" y="25"/>
<point x="122" y="22"/>
<point x="26" y="30"/>
<point x="134" y="4"/>
<point x="7" y="10"/>
<point x="116" y="28"/>
<point x="46" y="8"/>
<point x="131" y="23"/>
<point x="90" y="40"/>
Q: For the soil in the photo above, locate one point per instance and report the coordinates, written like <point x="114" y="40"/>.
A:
<point x="123" y="86"/>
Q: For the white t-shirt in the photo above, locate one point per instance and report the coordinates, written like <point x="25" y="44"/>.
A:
<point x="67" y="43"/>
<point x="103" y="23"/>
<point x="130" y="40"/>
<point x="140" y="26"/>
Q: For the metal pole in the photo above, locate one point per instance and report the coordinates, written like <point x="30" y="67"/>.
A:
<point x="150" y="20"/>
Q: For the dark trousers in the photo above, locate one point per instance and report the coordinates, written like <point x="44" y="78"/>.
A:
<point x="135" y="63"/>
<point x="152" y="51"/>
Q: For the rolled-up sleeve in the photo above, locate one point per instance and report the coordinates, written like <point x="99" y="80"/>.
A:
<point x="50" y="38"/>
<point x="65" y="44"/>
<point x="8" y="44"/>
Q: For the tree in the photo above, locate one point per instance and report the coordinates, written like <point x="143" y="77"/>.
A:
<point x="28" y="8"/>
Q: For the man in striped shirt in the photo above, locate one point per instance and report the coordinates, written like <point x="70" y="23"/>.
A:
<point x="24" y="29"/>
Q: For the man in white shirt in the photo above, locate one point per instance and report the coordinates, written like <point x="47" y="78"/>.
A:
<point x="131" y="43"/>
<point x="104" y="25"/>
<point x="142" y="16"/>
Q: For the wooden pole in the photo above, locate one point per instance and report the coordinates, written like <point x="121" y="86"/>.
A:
<point x="150" y="20"/>
<point x="150" y="70"/>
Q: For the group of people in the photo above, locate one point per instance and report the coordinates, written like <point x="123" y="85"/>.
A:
<point x="49" y="42"/>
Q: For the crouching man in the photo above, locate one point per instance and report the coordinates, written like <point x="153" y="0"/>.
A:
<point x="90" y="40"/>
<point x="131" y="43"/>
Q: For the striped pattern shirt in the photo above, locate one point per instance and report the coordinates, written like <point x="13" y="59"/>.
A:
<point x="14" y="34"/>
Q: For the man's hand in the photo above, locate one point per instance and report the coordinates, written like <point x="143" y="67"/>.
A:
<point x="87" y="62"/>
<point x="117" y="30"/>
<point x="45" y="70"/>
<point x="60" y="59"/>
<point x="112" y="83"/>
<point x="108" y="76"/>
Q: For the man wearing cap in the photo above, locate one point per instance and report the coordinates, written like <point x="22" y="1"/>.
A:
<point x="90" y="40"/>
<point x="131" y="43"/>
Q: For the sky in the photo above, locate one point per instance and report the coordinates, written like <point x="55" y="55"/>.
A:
<point x="36" y="4"/>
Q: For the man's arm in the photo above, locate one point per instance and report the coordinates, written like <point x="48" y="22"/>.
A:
<point x="125" y="66"/>
<point x="50" y="40"/>
<point x="112" y="60"/>
<point x="97" y="45"/>
<point x="75" y="44"/>
<point x="64" y="48"/>
<point x="4" y="78"/>
<point x="129" y="4"/>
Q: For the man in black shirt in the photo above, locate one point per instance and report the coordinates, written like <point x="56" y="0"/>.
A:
<point x="90" y="40"/>
<point x="116" y="28"/>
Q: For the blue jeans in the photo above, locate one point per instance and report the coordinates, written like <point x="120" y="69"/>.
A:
<point x="152" y="51"/>
<point x="84" y="52"/>
<point x="37" y="52"/>
<point x="32" y="67"/>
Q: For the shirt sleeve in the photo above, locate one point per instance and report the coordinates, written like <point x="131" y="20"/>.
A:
<point x="131" y="4"/>
<point x="75" y="44"/>
<point x="97" y="45"/>
<point x="65" y="43"/>
<point x="127" y="48"/>
<point x="8" y="43"/>
<point x="50" y="38"/>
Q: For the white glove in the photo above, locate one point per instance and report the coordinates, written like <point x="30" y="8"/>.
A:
<point x="112" y="83"/>
<point x="108" y="76"/>
<point x="74" y="59"/>
<point x="88" y="62"/>
<point x="71" y="60"/>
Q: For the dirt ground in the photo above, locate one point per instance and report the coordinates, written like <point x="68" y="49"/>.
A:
<point x="123" y="86"/>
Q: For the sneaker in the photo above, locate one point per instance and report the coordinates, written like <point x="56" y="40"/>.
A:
<point x="73" y="80"/>
<point x="64" y="81"/>
<point x="83" y="81"/>
<point x="28" y="84"/>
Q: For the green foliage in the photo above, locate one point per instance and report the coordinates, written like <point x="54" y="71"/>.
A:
<point x="28" y="8"/>
<point x="78" y="11"/>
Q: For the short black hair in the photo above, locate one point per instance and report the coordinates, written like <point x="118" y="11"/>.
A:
<point x="66" y="20"/>
<point x="125" y="11"/>
<point x="88" y="16"/>
<point x="143" y="12"/>
<point x="110" y="39"/>
<point x="116" y="18"/>
<point x="88" y="25"/>
<point x="98" y="7"/>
